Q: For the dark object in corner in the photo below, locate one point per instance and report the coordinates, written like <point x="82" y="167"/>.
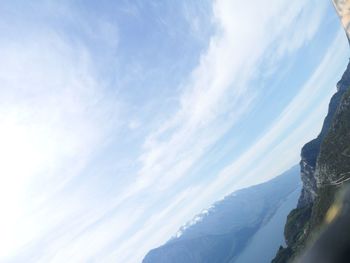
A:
<point x="333" y="246"/>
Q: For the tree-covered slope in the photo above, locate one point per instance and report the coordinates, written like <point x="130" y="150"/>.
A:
<point x="332" y="170"/>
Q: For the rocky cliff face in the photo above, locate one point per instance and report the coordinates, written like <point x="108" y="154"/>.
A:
<point x="334" y="158"/>
<point x="333" y="163"/>
<point x="325" y="167"/>
<point x="311" y="150"/>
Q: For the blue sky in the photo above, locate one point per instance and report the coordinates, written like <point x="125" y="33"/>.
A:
<point x="121" y="120"/>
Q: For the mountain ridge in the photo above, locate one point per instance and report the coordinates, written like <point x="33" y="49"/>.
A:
<point x="226" y="229"/>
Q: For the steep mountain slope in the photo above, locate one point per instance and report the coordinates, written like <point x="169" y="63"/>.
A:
<point x="325" y="174"/>
<point x="310" y="151"/>
<point x="222" y="232"/>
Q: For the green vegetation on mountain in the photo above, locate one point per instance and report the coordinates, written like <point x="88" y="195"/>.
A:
<point x="331" y="171"/>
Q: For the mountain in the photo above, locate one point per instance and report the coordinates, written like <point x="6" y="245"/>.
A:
<point x="311" y="150"/>
<point x="258" y="250"/>
<point x="236" y="226"/>
<point x="325" y="166"/>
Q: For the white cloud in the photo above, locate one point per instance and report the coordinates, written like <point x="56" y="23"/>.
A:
<point x="218" y="92"/>
<point x="53" y="116"/>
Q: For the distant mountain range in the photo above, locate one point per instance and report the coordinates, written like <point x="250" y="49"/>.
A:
<point x="235" y="229"/>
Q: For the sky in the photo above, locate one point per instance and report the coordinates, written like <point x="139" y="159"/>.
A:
<point x="122" y="120"/>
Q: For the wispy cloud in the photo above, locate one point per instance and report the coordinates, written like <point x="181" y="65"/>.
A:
<point x="293" y="128"/>
<point x="54" y="113"/>
<point x="218" y="93"/>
